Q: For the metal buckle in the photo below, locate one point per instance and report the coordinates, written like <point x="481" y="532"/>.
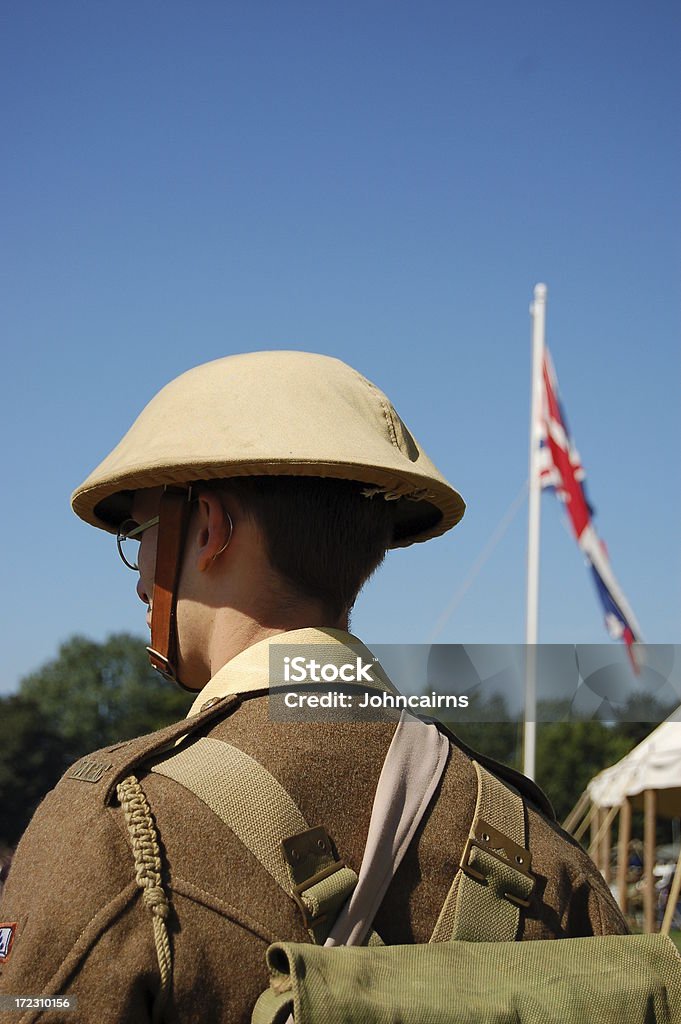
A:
<point x="298" y="891"/>
<point x="297" y="851"/>
<point x="498" y="845"/>
<point x="167" y="671"/>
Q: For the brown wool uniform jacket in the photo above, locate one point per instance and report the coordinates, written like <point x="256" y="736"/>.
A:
<point x="83" y="928"/>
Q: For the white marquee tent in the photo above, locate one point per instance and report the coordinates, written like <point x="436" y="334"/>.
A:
<point x="649" y="777"/>
<point x="655" y="764"/>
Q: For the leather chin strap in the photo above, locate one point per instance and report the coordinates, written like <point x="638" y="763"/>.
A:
<point x="174" y="512"/>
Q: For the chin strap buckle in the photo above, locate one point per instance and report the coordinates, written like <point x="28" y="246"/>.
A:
<point x="161" y="665"/>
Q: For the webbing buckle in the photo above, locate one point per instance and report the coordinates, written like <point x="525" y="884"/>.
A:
<point x="298" y="892"/>
<point x="301" y="852"/>
<point x="502" y="848"/>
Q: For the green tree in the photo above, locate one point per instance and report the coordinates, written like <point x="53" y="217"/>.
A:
<point x="94" y="694"/>
<point x="569" y="754"/>
<point x="488" y="727"/>
<point x="640" y="715"/>
<point x="571" y="751"/>
<point x="91" y="695"/>
<point x="33" y="756"/>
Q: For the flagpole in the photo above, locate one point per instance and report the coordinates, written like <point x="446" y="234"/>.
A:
<point x="538" y="312"/>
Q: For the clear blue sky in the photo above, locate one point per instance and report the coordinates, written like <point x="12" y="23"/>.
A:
<point x="381" y="181"/>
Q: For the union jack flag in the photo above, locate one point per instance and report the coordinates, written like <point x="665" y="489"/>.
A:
<point x="560" y="468"/>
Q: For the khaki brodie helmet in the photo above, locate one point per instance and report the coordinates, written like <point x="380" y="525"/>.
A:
<point x="263" y="414"/>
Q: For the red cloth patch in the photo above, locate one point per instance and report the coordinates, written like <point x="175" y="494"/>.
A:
<point x="6" y="940"/>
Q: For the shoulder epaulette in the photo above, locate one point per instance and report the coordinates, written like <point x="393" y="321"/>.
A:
<point x="110" y="765"/>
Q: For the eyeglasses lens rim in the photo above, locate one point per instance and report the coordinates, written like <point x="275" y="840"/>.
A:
<point x="133" y="534"/>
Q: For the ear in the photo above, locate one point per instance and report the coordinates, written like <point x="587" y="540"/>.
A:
<point x="215" y="530"/>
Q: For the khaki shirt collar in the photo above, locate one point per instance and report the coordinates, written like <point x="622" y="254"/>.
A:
<point x="250" y="670"/>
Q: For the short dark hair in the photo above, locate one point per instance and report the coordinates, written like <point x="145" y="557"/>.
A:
<point x="323" y="537"/>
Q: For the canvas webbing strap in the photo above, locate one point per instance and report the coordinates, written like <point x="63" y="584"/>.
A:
<point x="494" y="879"/>
<point x="257" y="808"/>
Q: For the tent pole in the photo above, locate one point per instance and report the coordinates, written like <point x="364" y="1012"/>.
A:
<point x="624" y="839"/>
<point x="600" y="835"/>
<point x="672" y="899"/>
<point x="576" y="812"/>
<point x="606" y="844"/>
<point x="593" y="830"/>
<point x="586" y="821"/>
<point x="594" y="833"/>
<point x="649" y="861"/>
